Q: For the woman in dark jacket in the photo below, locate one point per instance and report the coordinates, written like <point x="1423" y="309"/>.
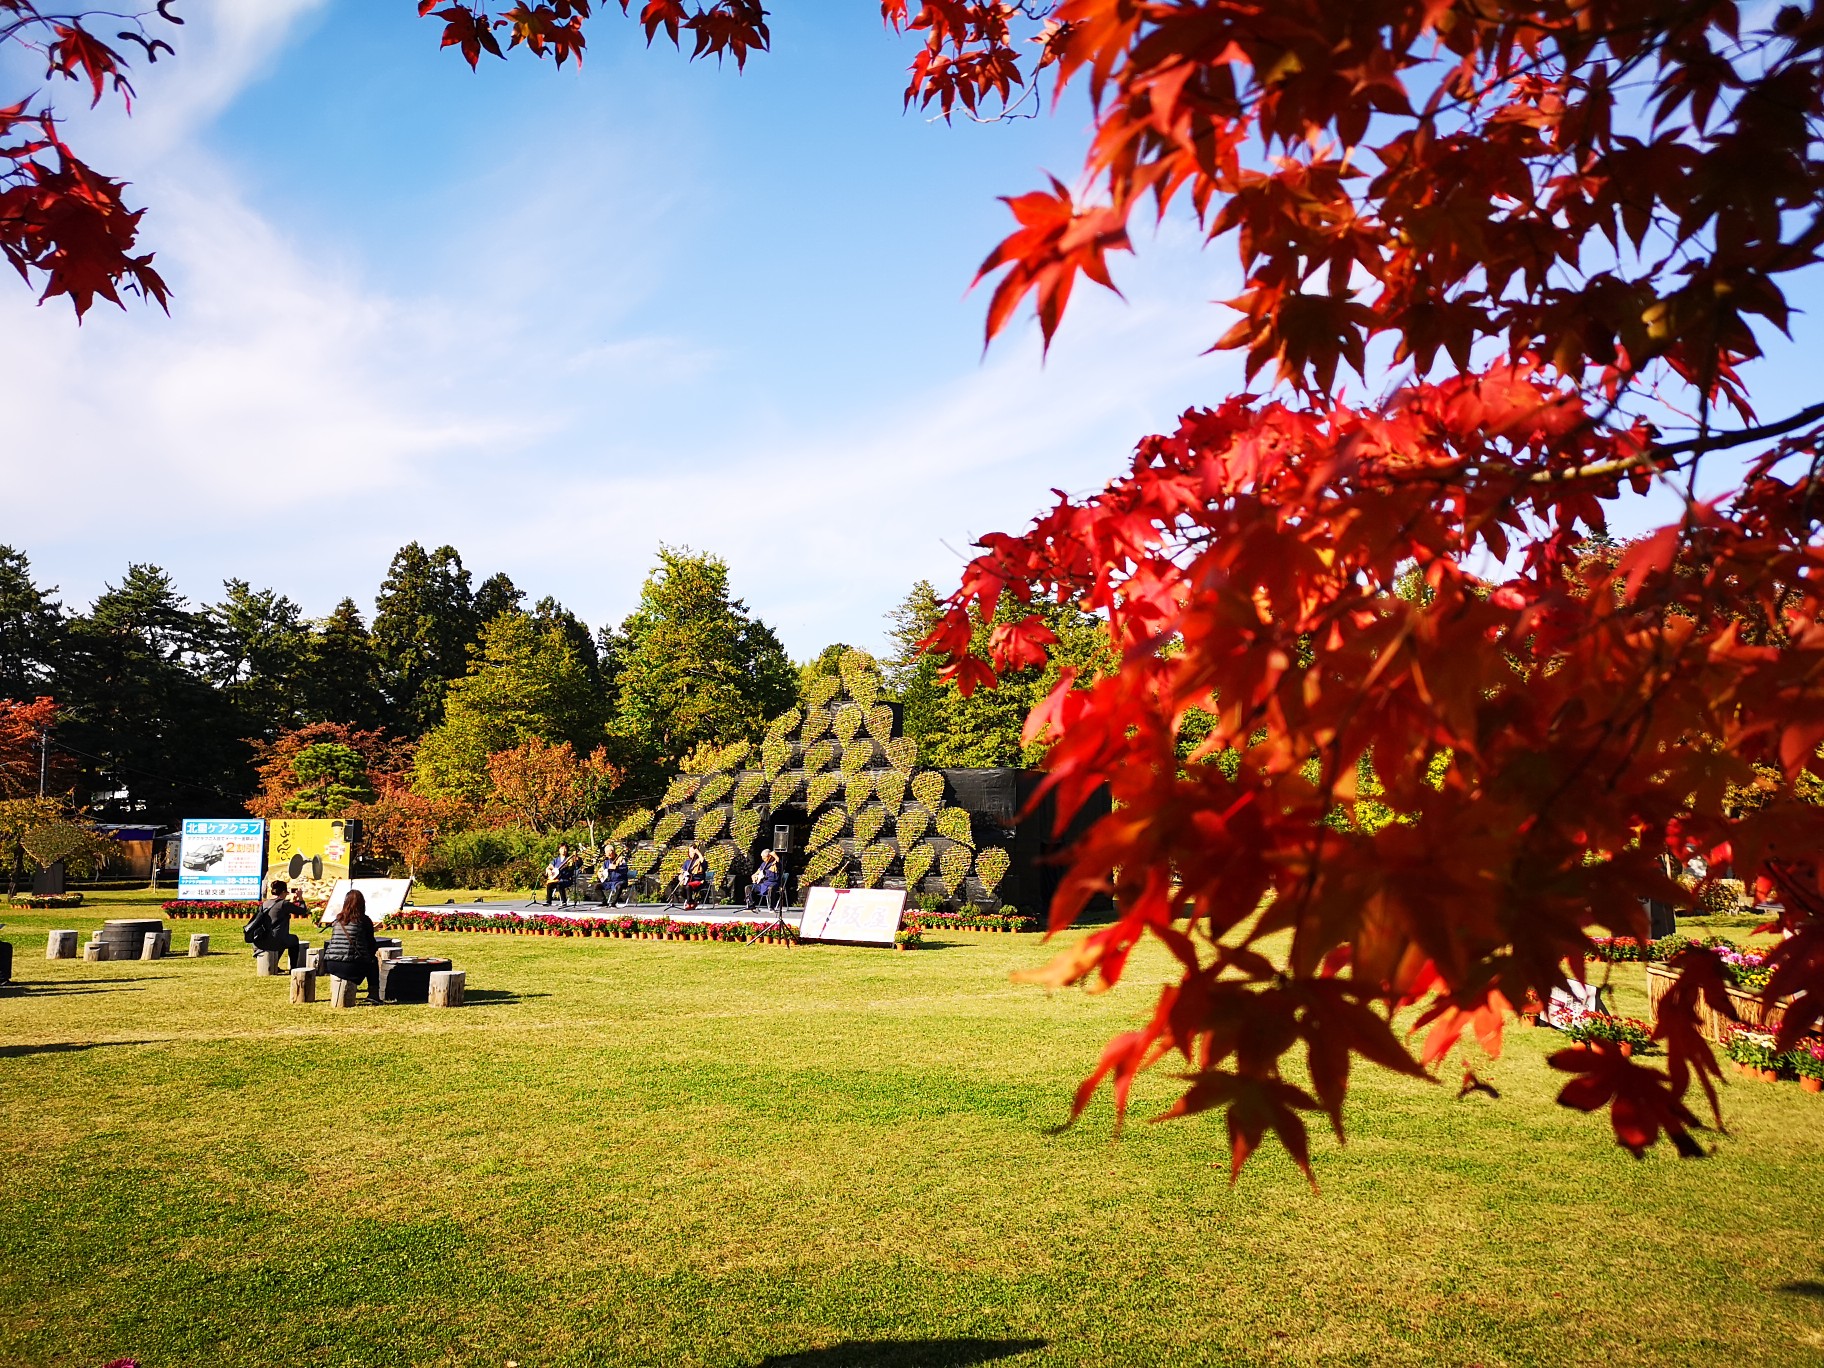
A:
<point x="351" y="952"/>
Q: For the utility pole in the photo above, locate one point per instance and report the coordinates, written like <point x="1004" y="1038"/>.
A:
<point x="44" y="752"/>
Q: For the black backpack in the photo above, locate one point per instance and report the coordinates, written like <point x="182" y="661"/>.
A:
<point x="251" y="932"/>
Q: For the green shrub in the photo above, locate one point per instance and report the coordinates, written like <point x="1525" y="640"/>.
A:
<point x="855" y="791"/>
<point x="891" y="786"/>
<point x="821" y="863"/>
<point x="818" y="757"/>
<point x="953" y="822"/>
<point x="784" y="724"/>
<point x="857" y="756"/>
<point x="880" y="723"/>
<point x="874" y="862"/>
<point x="680" y="791"/>
<point x="991" y="867"/>
<point x="818" y="791"/>
<point x="823" y="689"/>
<point x="775" y="755"/>
<point x="918" y="864"/>
<point x="928" y="788"/>
<point x="668" y="828"/>
<point x="782" y="789"/>
<point x="827" y="827"/>
<point x="713" y="790"/>
<point x="849" y="721"/>
<point x="902" y="754"/>
<point x="868" y="823"/>
<point x="911" y="827"/>
<point x="747" y="827"/>
<point x="815" y="726"/>
<point x="953" y="867"/>
<point x="710" y="825"/>
<point x="632" y="825"/>
<point x="749" y="789"/>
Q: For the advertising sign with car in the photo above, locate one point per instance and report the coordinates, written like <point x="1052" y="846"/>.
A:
<point x="221" y="859"/>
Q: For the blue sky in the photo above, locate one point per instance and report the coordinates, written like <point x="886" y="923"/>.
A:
<point x="555" y="318"/>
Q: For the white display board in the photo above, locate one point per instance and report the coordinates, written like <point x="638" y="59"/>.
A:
<point x="384" y="897"/>
<point x="869" y="916"/>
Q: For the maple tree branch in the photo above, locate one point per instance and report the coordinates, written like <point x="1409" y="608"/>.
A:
<point x="1694" y="446"/>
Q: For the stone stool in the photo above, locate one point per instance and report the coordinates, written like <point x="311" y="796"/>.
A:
<point x="95" y="952"/>
<point x="199" y="944"/>
<point x="343" y="992"/>
<point x="303" y="986"/>
<point x="60" y="945"/>
<point x="266" y="963"/>
<point x="150" y="945"/>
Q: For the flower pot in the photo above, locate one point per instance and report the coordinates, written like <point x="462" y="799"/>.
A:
<point x="1627" y="1048"/>
<point x="1812" y="1085"/>
<point x="1770" y="1076"/>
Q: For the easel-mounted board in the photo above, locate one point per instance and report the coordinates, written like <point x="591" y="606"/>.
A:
<point x="862" y="916"/>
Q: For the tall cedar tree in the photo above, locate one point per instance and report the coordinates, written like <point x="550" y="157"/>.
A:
<point x="342" y="672"/>
<point x="424" y="622"/>
<point x="258" y="650"/>
<point x="155" y="741"/>
<point x="1564" y="226"/>
<point x="694" y="667"/>
<point x="497" y="594"/>
<point x="31" y="629"/>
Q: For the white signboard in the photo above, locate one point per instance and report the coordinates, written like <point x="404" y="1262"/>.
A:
<point x="868" y="915"/>
<point x="221" y="859"/>
<point x="384" y="897"/>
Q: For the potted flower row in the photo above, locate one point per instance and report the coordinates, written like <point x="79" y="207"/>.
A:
<point x="908" y="938"/>
<point x="1630" y="1033"/>
<point x="1754" y="1054"/>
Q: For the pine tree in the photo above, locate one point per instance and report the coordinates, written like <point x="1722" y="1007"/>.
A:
<point x="498" y="594"/>
<point x="424" y="622"/>
<point x="156" y="741"/>
<point x="258" y="654"/>
<point x="31" y="629"/>
<point x="342" y="672"/>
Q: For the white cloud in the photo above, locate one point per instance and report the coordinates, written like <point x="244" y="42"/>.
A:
<point x="297" y="419"/>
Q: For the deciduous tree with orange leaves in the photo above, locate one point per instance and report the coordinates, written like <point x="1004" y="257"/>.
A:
<point x="1551" y="233"/>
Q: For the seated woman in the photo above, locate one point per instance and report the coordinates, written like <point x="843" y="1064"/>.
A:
<point x="693" y="878"/>
<point x="612" y="878"/>
<point x="560" y="874"/>
<point x="768" y="883"/>
<point x="351" y="952"/>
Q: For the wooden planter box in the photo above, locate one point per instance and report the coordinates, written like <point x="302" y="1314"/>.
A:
<point x="1749" y="1009"/>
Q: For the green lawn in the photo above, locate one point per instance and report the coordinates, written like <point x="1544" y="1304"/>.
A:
<point x="646" y="1153"/>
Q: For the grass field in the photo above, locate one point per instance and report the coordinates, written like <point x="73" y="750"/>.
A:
<point x="647" y="1153"/>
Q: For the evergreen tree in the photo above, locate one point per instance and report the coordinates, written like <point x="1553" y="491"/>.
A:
<point x="156" y="741"/>
<point x="527" y="681"/>
<point x="695" y="666"/>
<point x="984" y="729"/>
<point x="498" y="594"/>
<point x="258" y="653"/>
<point x="342" y="672"/>
<point x="424" y="622"/>
<point x="31" y="629"/>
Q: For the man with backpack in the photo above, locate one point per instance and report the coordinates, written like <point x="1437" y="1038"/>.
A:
<point x="270" y="927"/>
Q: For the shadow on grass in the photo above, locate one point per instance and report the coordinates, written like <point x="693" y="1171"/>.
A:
<point x="65" y="1047"/>
<point x="1805" y="1287"/>
<point x="496" y="996"/>
<point x="82" y="986"/>
<point x="935" y="1353"/>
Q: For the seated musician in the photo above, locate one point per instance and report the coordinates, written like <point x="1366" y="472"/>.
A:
<point x="560" y="874"/>
<point x="613" y="877"/>
<point x="768" y="883"/>
<point x="693" y="878"/>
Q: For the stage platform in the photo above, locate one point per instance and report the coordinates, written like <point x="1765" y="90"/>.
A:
<point x="721" y="912"/>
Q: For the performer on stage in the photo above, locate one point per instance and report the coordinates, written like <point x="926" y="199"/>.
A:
<point x="612" y="878"/>
<point x="560" y="874"/>
<point x="768" y="883"/>
<point x="693" y="878"/>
